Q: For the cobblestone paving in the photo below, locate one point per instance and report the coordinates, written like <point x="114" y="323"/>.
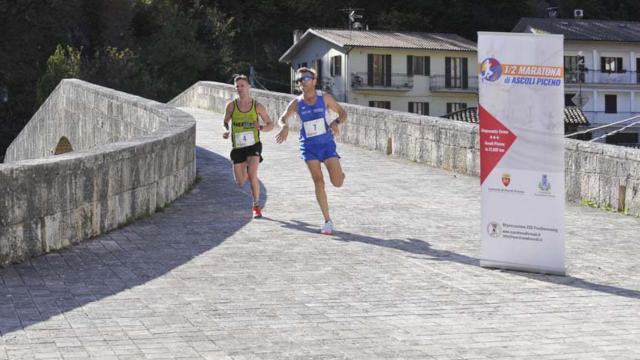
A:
<point x="398" y="280"/>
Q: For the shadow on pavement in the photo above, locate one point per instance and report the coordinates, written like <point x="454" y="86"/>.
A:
<point x="421" y="247"/>
<point x="43" y="287"/>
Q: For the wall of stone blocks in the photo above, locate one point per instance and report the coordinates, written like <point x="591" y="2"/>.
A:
<point x="605" y="175"/>
<point x="131" y="157"/>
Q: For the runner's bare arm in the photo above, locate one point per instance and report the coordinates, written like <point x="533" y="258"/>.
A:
<point x="227" y="118"/>
<point x="342" y="115"/>
<point x="333" y="105"/>
<point x="264" y="115"/>
<point x="281" y="136"/>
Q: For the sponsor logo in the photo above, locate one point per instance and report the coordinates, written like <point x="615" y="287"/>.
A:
<point x="494" y="229"/>
<point x="544" y="185"/>
<point x="506" y="179"/>
<point x="490" y="69"/>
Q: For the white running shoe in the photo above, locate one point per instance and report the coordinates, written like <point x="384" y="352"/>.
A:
<point x="327" y="228"/>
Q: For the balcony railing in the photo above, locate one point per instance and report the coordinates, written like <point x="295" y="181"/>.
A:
<point x="453" y="84"/>
<point x="360" y="80"/>
<point x="601" y="77"/>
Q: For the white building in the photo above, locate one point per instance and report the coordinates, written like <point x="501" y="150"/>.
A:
<point x="610" y="52"/>
<point x="425" y="73"/>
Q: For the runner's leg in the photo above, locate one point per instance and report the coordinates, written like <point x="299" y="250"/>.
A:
<point x="240" y="173"/>
<point x="335" y="171"/>
<point x="253" y="162"/>
<point x="318" y="182"/>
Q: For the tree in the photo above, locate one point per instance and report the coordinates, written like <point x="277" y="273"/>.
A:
<point x="63" y="63"/>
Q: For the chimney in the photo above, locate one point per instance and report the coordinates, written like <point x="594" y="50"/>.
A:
<point x="578" y="13"/>
<point x="297" y="34"/>
<point x="552" y="12"/>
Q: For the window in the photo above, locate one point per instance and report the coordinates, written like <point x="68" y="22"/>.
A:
<point x="317" y="66"/>
<point x="610" y="104"/>
<point x="380" y="104"/>
<point x="456" y="72"/>
<point x="611" y="64"/>
<point x="418" y="65"/>
<point x="574" y="69"/>
<point x="304" y="64"/>
<point x="336" y="65"/>
<point x="421" y="108"/>
<point x="378" y="70"/>
<point x="451" y="107"/>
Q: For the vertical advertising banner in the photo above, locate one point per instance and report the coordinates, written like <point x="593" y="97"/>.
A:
<point x="521" y="110"/>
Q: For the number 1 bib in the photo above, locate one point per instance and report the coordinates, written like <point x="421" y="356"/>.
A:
<point x="315" y="127"/>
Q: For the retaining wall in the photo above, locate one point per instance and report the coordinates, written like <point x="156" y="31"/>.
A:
<point x="131" y="156"/>
<point x="605" y="175"/>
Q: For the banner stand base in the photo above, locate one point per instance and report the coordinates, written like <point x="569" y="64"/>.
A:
<point x="522" y="267"/>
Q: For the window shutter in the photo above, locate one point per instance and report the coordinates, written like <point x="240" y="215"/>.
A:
<point x="619" y="65"/>
<point x="409" y="66"/>
<point x="370" y="70"/>
<point x="603" y="64"/>
<point x="447" y="76"/>
<point x="319" y="71"/>
<point x="427" y="66"/>
<point x="387" y="68"/>
<point x="410" y="106"/>
<point x="465" y="73"/>
<point x="372" y="103"/>
<point x="426" y="108"/>
<point x="449" y="108"/>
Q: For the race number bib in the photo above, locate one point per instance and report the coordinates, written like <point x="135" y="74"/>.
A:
<point x="315" y="127"/>
<point x="244" y="139"/>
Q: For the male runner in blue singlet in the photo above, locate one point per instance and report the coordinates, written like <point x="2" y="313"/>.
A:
<point x="316" y="136"/>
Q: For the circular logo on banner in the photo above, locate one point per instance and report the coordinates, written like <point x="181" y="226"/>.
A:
<point x="490" y="69"/>
<point x="494" y="229"/>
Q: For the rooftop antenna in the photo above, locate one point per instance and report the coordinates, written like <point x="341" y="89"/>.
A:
<point x="353" y="17"/>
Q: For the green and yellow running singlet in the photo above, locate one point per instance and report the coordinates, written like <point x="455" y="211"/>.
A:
<point x="243" y="126"/>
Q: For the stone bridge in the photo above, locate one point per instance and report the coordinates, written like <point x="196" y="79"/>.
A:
<point x="200" y="279"/>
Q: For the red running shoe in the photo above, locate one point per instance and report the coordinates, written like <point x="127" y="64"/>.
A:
<point x="256" y="212"/>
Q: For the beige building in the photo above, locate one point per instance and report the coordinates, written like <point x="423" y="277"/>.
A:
<point x="424" y="73"/>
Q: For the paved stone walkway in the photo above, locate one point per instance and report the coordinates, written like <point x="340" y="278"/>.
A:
<point x="399" y="280"/>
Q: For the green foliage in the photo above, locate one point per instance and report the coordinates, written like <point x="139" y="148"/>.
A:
<point x="157" y="48"/>
<point x="63" y="63"/>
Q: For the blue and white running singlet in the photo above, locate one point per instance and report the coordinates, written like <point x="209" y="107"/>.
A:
<point x="314" y="128"/>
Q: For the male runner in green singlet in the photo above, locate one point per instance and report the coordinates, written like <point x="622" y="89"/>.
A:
<point x="244" y="131"/>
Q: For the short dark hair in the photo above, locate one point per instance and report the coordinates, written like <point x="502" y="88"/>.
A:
<point x="237" y="77"/>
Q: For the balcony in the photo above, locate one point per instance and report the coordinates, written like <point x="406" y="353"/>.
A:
<point x="601" y="78"/>
<point x="398" y="82"/>
<point x="440" y="83"/>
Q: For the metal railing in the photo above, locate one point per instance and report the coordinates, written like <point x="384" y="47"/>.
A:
<point x="636" y="122"/>
<point x="453" y="84"/>
<point x="360" y="80"/>
<point x="600" y="77"/>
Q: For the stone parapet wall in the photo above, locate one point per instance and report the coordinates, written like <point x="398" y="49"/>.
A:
<point x="604" y="175"/>
<point x="131" y="157"/>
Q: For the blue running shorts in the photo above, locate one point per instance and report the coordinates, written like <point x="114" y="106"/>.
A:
<point x="319" y="152"/>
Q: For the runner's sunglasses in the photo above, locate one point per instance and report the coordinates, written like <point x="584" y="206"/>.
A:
<point x="304" y="78"/>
